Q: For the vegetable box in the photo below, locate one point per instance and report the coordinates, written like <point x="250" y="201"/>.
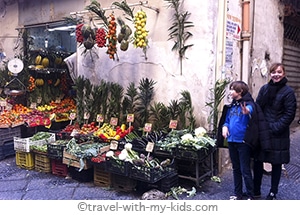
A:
<point x="73" y="161"/>
<point x="23" y="144"/>
<point x="151" y="174"/>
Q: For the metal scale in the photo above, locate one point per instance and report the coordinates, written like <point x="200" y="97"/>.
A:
<point x="15" y="87"/>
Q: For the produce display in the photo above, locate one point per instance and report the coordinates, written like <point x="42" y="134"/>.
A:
<point x="140" y="33"/>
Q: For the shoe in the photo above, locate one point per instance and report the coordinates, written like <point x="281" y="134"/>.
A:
<point x="250" y="198"/>
<point x="235" y="198"/>
<point x="271" y="196"/>
<point x="257" y="196"/>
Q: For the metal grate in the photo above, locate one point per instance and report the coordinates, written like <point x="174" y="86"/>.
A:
<point x="292" y="33"/>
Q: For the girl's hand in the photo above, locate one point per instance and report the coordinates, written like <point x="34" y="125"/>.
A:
<point x="245" y="110"/>
<point x="225" y="132"/>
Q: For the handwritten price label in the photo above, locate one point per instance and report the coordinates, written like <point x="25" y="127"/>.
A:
<point x="100" y="118"/>
<point x="114" y="121"/>
<point x="130" y="117"/>
<point x="148" y="127"/>
<point x="173" y="124"/>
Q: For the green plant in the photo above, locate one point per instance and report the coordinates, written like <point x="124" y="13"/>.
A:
<point x="145" y="96"/>
<point x="218" y="93"/>
<point x="179" y="30"/>
<point x="159" y="117"/>
<point x="187" y="116"/>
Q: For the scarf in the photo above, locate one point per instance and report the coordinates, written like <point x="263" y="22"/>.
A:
<point x="272" y="90"/>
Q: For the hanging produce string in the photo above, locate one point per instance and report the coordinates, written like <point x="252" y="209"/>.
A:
<point x="141" y="3"/>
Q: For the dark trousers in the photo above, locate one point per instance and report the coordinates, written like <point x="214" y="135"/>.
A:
<point x="258" y="171"/>
<point x="240" y="155"/>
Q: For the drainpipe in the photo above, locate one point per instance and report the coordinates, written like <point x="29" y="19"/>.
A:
<point x="221" y="39"/>
<point x="245" y="39"/>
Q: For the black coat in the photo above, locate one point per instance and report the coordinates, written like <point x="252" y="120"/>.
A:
<point x="279" y="116"/>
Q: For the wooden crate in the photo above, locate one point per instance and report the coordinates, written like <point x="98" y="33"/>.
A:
<point x="102" y="178"/>
<point x="71" y="160"/>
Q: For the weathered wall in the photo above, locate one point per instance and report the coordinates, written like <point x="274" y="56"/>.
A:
<point x="8" y="34"/>
<point x="162" y="65"/>
<point x="267" y="41"/>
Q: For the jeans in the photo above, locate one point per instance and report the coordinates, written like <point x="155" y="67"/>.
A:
<point x="240" y="155"/>
<point x="258" y="170"/>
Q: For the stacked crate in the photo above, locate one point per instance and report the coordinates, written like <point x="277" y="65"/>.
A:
<point x="7" y="140"/>
<point x="102" y="178"/>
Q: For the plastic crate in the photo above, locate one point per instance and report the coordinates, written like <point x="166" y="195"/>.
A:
<point x="123" y="183"/>
<point x="168" y="182"/>
<point x="58" y="168"/>
<point x="192" y="154"/>
<point x="73" y="161"/>
<point x="8" y="134"/>
<point x="102" y="178"/>
<point x="118" y="167"/>
<point x="55" y="151"/>
<point x="150" y="175"/>
<point x="23" y="144"/>
<point x="6" y="150"/>
<point x="86" y="175"/>
<point x="42" y="163"/>
<point x="25" y="160"/>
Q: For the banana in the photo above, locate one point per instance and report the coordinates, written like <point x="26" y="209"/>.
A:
<point x="45" y="62"/>
<point x="38" y="60"/>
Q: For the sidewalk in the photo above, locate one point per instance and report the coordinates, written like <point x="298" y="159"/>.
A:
<point x="21" y="184"/>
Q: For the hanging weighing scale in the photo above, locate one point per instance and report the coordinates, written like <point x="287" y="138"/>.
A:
<point x="15" y="87"/>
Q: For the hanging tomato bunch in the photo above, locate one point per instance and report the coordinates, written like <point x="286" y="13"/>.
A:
<point x="112" y="37"/>
<point x="79" y="36"/>
<point x="31" y="85"/>
<point x="140" y="34"/>
<point x="101" y="37"/>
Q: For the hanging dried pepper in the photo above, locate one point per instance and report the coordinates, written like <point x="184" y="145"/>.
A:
<point x="112" y="37"/>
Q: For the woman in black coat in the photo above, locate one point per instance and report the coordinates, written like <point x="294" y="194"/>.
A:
<point x="278" y="103"/>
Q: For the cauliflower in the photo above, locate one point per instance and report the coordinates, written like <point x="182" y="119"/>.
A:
<point x="200" y="132"/>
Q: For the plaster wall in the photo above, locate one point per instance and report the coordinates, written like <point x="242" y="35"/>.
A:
<point x="162" y="65"/>
<point x="8" y="34"/>
<point x="267" y="41"/>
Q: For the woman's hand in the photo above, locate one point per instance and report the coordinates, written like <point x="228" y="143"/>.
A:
<point x="245" y="110"/>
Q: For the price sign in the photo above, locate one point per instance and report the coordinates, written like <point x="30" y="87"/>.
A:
<point x="86" y="115"/>
<point x="130" y="117"/>
<point x="173" y="124"/>
<point x="72" y="116"/>
<point x="58" y="100"/>
<point x="33" y="105"/>
<point x="39" y="100"/>
<point x="148" y="127"/>
<point x="100" y="118"/>
<point x="114" y="145"/>
<point x="114" y="121"/>
<point x="2" y="103"/>
<point x="149" y="147"/>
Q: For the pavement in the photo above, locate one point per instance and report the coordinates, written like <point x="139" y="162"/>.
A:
<point x="21" y="184"/>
